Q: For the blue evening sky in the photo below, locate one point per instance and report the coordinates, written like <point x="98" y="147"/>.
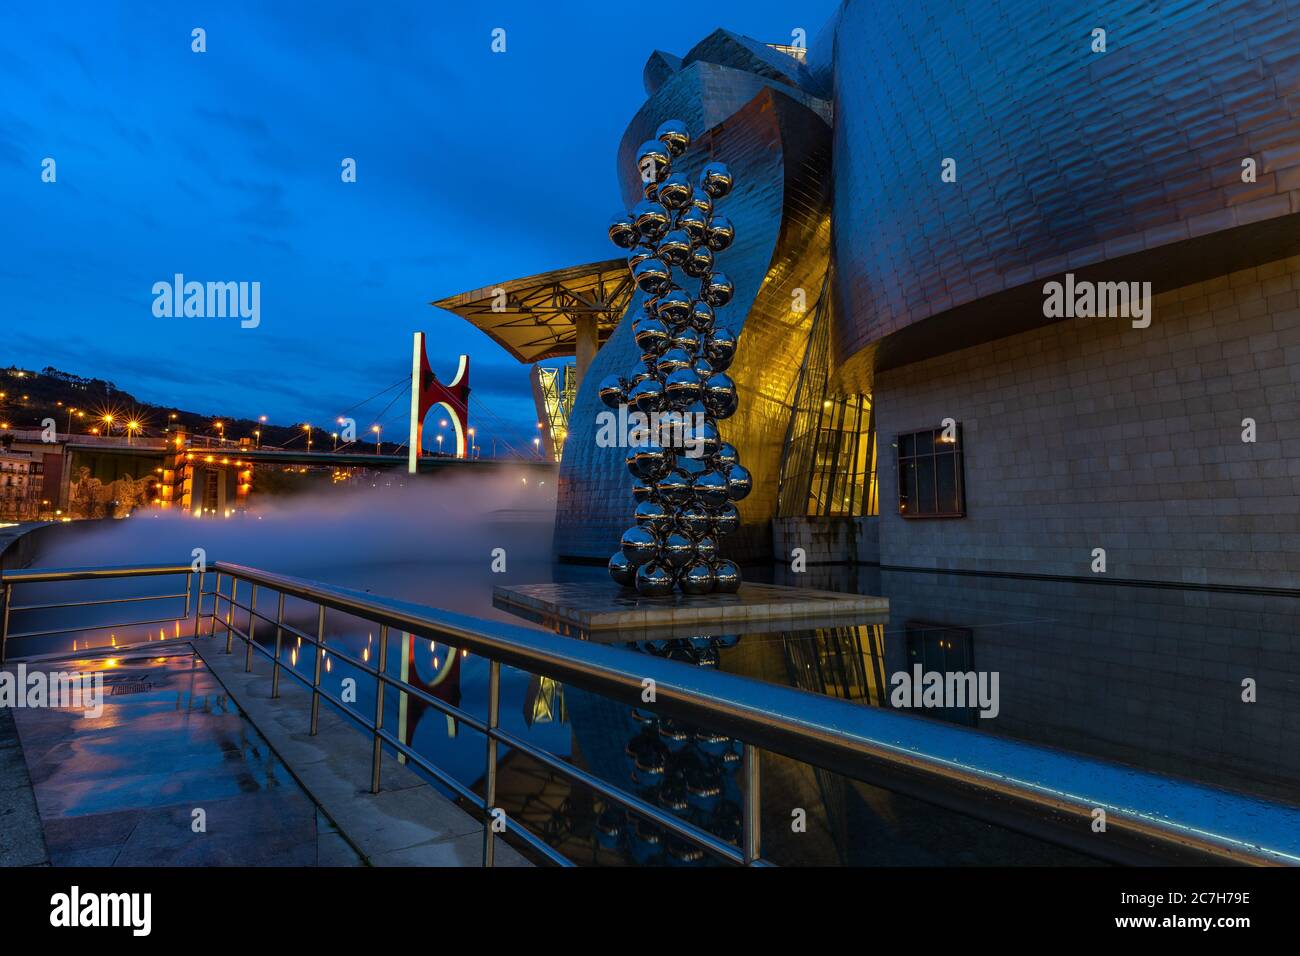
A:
<point x="472" y="167"/>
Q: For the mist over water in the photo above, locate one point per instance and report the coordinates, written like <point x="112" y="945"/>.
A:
<point x="428" y="540"/>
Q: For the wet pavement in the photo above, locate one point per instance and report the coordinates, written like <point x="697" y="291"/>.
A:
<point x="169" y="774"/>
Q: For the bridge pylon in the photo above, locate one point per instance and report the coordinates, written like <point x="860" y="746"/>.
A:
<point x="427" y="392"/>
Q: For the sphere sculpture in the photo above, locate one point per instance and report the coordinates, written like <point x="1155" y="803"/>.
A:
<point x="686" y="478"/>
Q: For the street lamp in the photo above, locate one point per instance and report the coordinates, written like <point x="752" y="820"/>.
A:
<point x="335" y="436"/>
<point x="473" y="449"/>
<point x="108" y="424"/>
<point x="307" y="429"/>
<point x="537" y="447"/>
<point x="439" y="444"/>
<point x="378" y="444"/>
<point x="132" y="427"/>
<point x="70" y="411"/>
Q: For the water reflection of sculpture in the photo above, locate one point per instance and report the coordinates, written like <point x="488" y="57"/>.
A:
<point x="684" y="500"/>
<point x="688" y="771"/>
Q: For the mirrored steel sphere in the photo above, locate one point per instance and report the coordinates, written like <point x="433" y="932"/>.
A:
<point x="650" y="189"/>
<point x="703" y="368"/>
<point x="674" y="486"/>
<point x="739" y="482"/>
<point x="639" y="545"/>
<point x="706" y="547"/>
<point x="655" y="162"/>
<point x="720" y="395"/>
<point x="726" y="576"/>
<point x="711" y="489"/>
<point x="654" y="580"/>
<point x="726" y="455"/>
<point x="674" y="135"/>
<point x="653" y="515"/>
<point x="675" y="247"/>
<point x="622" y="231"/>
<point x="721" y="233"/>
<point x="653" y="461"/>
<point x="716" y="290"/>
<point x="676" y="549"/>
<point x="648" y="396"/>
<point x="675" y="191"/>
<point x="685" y="337"/>
<point x="674" y="308"/>
<point x="695" y="521"/>
<point x="702" y="316"/>
<point x="715" y="179"/>
<point x="720" y="347"/>
<point x="682" y="387"/>
<point x="694" y="223"/>
<point x="703" y="202"/>
<point x="640" y="490"/>
<point x="672" y="360"/>
<point x="697" y="578"/>
<point x="612" y="392"/>
<point x="726" y="519"/>
<point x="622" y="570"/>
<point x="651" y="275"/>
<point x="638" y="255"/>
<point x="670" y="429"/>
<point x="690" y="465"/>
<point x="650" y="335"/>
<point x="652" y="220"/>
<point x="699" y="262"/>
<point x="709" y="441"/>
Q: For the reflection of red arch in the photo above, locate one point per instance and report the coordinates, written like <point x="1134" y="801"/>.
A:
<point x="444" y="685"/>
<point x="427" y="391"/>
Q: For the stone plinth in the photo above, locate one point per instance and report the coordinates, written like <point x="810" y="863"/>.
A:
<point x="595" y="611"/>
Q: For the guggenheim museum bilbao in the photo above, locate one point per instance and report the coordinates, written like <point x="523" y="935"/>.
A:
<point x="1017" y="287"/>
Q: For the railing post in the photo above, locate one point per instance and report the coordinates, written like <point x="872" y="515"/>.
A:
<point x="382" y="668"/>
<point x="230" y="613"/>
<point x="4" y="624"/>
<point x="252" y="625"/>
<point x="198" y="607"/>
<point x="320" y="655"/>
<point x="216" y="602"/>
<point x="189" y="589"/>
<point x="752" y="835"/>
<point x="279" y="631"/>
<point x="490" y="777"/>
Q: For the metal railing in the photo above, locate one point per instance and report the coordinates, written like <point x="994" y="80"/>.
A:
<point x="1044" y="793"/>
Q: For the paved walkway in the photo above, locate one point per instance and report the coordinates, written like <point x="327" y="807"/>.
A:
<point x="126" y="788"/>
<point x="408" y="823"/>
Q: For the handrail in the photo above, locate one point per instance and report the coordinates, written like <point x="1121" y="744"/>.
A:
<point x="1046" y="793"/>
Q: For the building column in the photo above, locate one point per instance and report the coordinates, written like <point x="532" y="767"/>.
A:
<point x="584" y="327"/>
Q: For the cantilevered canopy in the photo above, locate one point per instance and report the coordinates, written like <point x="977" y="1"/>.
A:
<point x="538" y="317"/>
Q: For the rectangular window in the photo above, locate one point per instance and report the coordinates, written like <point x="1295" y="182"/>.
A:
<point x="931" y="478"/>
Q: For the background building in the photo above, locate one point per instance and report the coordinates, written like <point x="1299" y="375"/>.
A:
<point x="906" y="187"/>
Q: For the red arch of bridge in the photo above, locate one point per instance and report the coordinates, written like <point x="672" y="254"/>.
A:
<point x="427" y="392"/>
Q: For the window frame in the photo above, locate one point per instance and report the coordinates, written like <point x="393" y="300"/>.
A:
<point x="902" y="461"/>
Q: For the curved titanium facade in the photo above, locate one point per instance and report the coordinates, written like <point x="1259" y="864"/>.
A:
<point x="778" y="147"/>
<point x="1066" y="158"/>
